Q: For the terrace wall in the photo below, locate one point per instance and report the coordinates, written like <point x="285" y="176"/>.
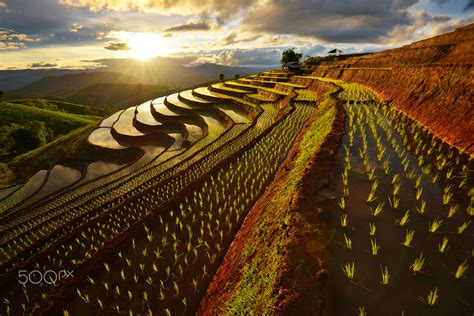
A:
<point x="431" y="81"/>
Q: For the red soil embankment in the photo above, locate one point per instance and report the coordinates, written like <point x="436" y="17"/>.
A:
<point x="432" y="81"/>
<point x="276" y="262"/>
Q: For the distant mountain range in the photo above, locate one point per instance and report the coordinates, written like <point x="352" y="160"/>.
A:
<point x="16" y="79"/>
<point x="120" y="83"/>
<point x="63" y="85"/>
<point x="107" y="90"/>
<point x="155" y="73"/>
<point x="169" y="72"/>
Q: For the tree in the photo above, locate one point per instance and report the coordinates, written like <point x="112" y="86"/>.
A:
<point x="1" y="95"/>
<point x="42" y="134"/>
<point x="289" y="56"/>
<point x="222" y="77"/>
<point x="236" y="76"/>
<point x="25" y="138"/>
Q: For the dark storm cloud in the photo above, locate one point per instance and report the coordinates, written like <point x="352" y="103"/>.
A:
<point x="47" y="21"/>
<point x="115" y="46"/>
<point x="332" y="21"/>
<point x="42" y="64"/>
<point x="190" y="26"/>
<point x="470" y="5"/>
<point x="34" y="17"/>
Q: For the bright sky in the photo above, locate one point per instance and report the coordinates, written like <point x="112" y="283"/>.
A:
<point x="75" y="33"/>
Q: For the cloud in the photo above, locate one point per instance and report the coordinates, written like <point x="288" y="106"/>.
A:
<point x="358" y="21"/>
<point x="42" y="64"/>
<point x="222" y="9"/>
<point x="10" y="40"/>
<point x="35" y="18"/>
<point x="3" y="4"/>
<point x="426" y="26"/>
<point x="448" y="25"/>
<point x="410" y="32"/>
<point x="75" y="27"/>
<point x="469" y="5"/>
<point x="11" y="45"/>
<point x="242" y="57"/>
<point x="115" y="46"/>
<point x="167" y="35"/>
<point x="234" y="38"/>
<point x="190" y="26"/>
<point x="10" y="35"/>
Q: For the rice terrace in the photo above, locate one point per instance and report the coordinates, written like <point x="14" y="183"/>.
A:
<point x="334" y="184"/>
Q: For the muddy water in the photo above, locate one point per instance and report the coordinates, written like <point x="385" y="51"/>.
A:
<point x="406" y="292"/>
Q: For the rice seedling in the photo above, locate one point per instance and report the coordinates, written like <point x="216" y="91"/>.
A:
<point x="418" y="181"/>
<point x="372" y="196"/>
<point x="405" y="219"/>
<point x="432" y="297"/>
<point x="470" y="210"/>
<point x="448" y="188"/>
<point x="422" y="208"/>
<point x="348" y="242"/>
<point x="394" y="202"/>
<point x="447" y="196"/>
<point x="449" y="173"/>
<point x="344" y="220"/>
<point x="349" y="270"/>
<point x="342" y="204"/>
<point x="90" y="280"/>
<point x="396" y="188"/>
<point x="435" y="225"/>
<point x="374" y="246"/>
<point x="371" y="172"/>
<point x="410" y="233"/>
<point x="411" y="174"/>
<point x="453" y="209"/>
<point x="396" y="178"/>
<point x="418" y="193"/>
<point x="83" y="297"/>
<point x="385" y="275"/>
<point x="417" y="265"/>
<point x="345" y="191"/>
<point x="377" y="210"/>
<point x="426" y="169"/>
<point x="463" y="227"/>
<point x="461" y="270"/>
<point x="443" y="246"/>
<point x="386" y="167"/>
<point x="372" y="229"/>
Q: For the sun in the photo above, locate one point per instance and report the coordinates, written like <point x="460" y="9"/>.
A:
<point x="141" y="49"/>
<point x="145" y="46"/>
